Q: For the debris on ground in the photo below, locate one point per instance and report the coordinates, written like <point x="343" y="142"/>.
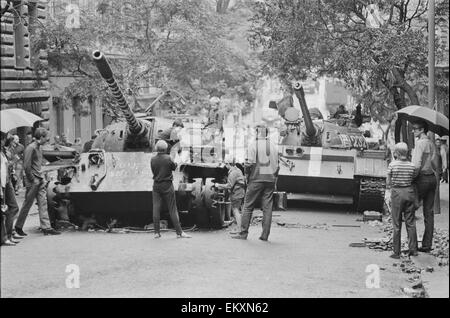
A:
<point x="345" y="225"/>
<point x="415" y="292"/>
<point x="372" y="216"/>
<point x="317" y="226"/>
<point x="440" y="250"/>
<point x="357" y="244"/>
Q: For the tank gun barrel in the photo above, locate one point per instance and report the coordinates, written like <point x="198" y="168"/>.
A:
<point x="299" y="92"/>
<point x="135" y="126"/>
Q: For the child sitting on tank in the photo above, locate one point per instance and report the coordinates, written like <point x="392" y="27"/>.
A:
<point x="400" y="176"/>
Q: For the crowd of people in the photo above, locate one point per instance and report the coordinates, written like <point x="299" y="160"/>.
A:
<point x="13" y="219"/>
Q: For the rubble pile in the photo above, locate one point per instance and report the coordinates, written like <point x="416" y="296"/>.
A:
<point x="441" y="246"/>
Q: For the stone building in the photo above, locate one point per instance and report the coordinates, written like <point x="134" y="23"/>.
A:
<point x="24" y="79"/>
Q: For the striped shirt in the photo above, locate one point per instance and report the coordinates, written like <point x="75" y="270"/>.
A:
<point x="401" y="173"/>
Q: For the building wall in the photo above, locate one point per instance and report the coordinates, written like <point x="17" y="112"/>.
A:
<point x="63" y="119"/>
<point x="20" y="87"/>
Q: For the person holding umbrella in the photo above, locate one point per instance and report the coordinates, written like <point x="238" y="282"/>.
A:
<point x="424" y="159"/>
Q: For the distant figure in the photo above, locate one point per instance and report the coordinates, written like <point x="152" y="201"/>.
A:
<point x="444" y="146"/>
<point x="400" y="176"/>
<point x="88" y="144"/>
<point x="64" y="141"/>
<point x="77" y="145"/>
<point x="17" y="150"/>
<point x="424" y="159"/>
<point x="57" y="140"/>
<point x="442" y="158"/>
<point x="341" y="111"/>
<point x="358" y="117"/>
<point x="215" y="115"/>
<point x="163" y="190"/>
<point x="168" y="134"/>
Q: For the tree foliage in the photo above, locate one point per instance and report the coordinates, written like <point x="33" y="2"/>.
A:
<point x="179" y="44"/>
<point x="380" y="60"/>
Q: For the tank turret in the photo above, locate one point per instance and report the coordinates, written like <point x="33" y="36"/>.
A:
<point x="137" y="134"/>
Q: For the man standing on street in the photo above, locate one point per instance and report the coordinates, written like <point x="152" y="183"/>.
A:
<point x="163" y="191"/>
<point x="424" y="159"/>
<point x="7" y="198"/>
<point x="236" y="185"/>
<point x="262" y="167"/>
<point x="35" y="185"/>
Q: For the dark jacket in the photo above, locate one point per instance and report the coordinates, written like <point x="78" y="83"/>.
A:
<point x="162" y="167"/>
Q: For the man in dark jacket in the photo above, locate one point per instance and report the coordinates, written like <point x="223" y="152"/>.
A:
<point x="163" y="190"/>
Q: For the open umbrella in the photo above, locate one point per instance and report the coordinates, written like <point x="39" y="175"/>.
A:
<point x="437" y="122"/>
<point x="14" y="117"/>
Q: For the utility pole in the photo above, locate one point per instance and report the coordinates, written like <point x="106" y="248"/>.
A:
<point x="431" y="83"/>
<point x="431" y="53"/>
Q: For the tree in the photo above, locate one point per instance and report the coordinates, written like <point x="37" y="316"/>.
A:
<point x="179" y="44"/>
<point x="381" y="60"/>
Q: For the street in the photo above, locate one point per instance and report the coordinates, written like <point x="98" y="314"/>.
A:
<point x="312" y="259"/>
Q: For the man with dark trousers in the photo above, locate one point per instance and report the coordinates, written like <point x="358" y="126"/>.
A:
<point x="7" y="198"/>
<point x="424" y="159"/>
<point x="35" y="185"/>
<point x="262" y="167"/>
<point x="163" y="191"/>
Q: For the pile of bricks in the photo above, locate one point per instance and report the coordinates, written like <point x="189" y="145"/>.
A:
<point x="441" y="246"/>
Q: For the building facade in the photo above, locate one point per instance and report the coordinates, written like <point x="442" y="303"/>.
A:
<point x="24" y="79"/>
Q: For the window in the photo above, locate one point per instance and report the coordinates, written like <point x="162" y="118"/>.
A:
<point x="19" y="35"/>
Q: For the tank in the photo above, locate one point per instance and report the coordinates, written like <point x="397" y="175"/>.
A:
<point x="328" y="160"/>
<point x="113" y="182"/>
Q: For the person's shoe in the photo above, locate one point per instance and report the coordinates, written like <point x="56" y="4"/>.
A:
<point x="14" y="241"/>
<point x="395" y="256"/>
<point x="239" y="237"/>
<point x="20" y="232"/>
<point x="413" y="253"/>
<point x="51" y="231"/>
<point x="9" y="243"/>
<point x="425" y="249"/>
<point x="183" y="235"/>
<point x="157" y="236"/>
<point x="263" y="239"/>
<point x="17" y="236"/>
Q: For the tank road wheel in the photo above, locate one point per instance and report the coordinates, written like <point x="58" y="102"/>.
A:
<point x="370" y="195"/>
<point x="58" y="206"/>
<point x="216" y="211"/>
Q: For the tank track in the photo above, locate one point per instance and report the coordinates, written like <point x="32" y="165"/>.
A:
<point x="371" y="194"/>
